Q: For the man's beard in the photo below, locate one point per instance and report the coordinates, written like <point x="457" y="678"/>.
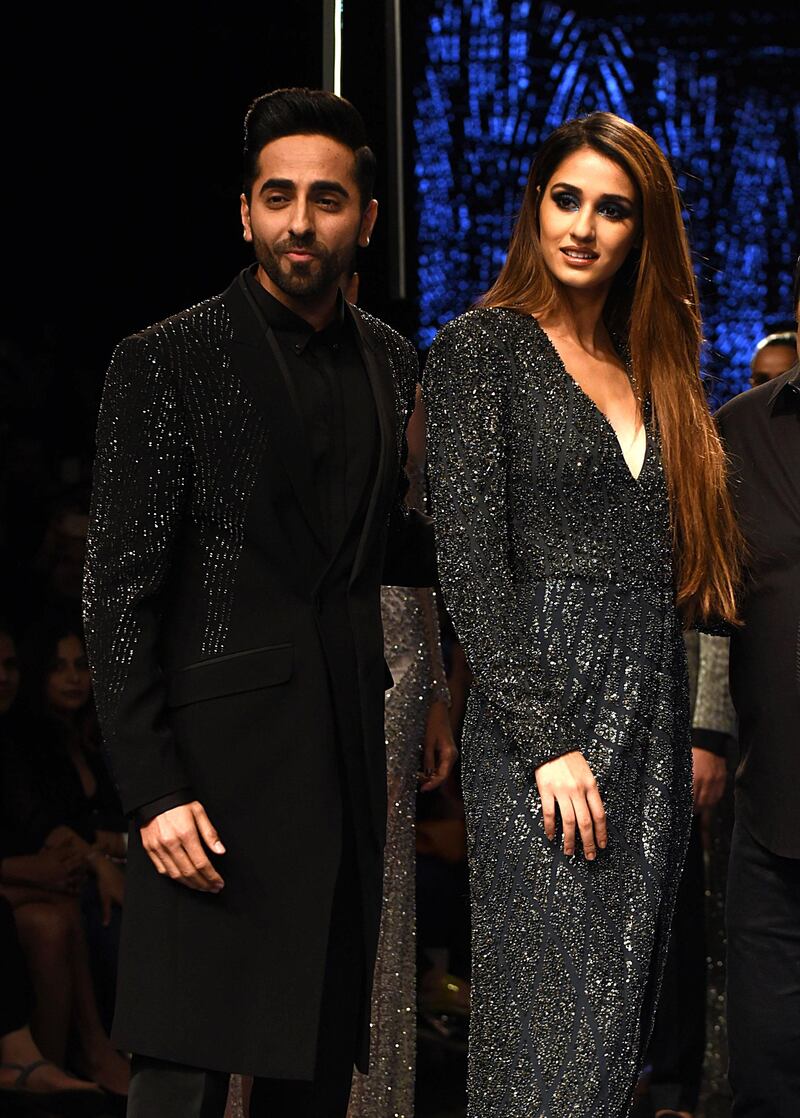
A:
<point x="306" y="279"/>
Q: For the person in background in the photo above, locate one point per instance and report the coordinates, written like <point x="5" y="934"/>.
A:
<point x="64" y="738"/>
<point x="773" y="355"/>
<point x="26" y="1075"/>
<point x="418" y="740"/>
<point x="43" y="871"/>
<point x="761" y="430"/>
<point x="677" y="1047"/>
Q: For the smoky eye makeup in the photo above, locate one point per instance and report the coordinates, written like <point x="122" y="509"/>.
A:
<point x="612" y="206"/>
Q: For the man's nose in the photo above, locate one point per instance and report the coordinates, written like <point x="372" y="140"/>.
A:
<point x="300" y="219"/>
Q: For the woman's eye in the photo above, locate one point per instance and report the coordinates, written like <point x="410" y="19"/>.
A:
<point x="614" y="213"/>
<point x="565" y="201"/>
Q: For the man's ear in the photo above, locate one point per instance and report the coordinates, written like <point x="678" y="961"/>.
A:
<point x="245" y="212"/>
<point x="368" y="223"/>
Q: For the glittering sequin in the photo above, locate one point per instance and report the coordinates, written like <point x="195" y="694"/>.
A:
<point x="555" y="564"/>
<point x="168" y="410"/>
<point x="413" y="652"/>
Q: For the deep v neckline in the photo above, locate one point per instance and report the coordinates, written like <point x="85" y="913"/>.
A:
<point x="598" y="411"/>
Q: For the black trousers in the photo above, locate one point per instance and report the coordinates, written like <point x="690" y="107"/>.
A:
<point x="160" y="1089"/>
<point x="677" y="1047"/>
<point x="763" y="926"/>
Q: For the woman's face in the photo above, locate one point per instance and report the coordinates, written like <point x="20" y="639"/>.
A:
<point x="68" y="682"/>
<point x="9" y="673"/>
<point x="589" y="220"/>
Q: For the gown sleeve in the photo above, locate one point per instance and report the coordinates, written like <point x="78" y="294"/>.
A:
<point x="467" y="384"/>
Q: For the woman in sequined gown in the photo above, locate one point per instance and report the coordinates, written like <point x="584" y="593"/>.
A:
<point x="578" y="490"/>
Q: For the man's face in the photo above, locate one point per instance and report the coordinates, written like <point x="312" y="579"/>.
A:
<point x="305" y="216"/>
<point x="771" y="361"/>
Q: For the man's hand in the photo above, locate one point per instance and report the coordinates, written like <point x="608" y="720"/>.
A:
<point x="174" y="841"/>
<point x="569" y="782"/>
<point x="439" y="752"/>
<point x="709" y="775"/>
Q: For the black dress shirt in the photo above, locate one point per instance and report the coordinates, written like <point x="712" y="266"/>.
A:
<point x="335" y="401"/>
<point x="761" y="429"/>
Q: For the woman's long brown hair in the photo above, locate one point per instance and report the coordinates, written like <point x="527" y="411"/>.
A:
<point x="653" y="304"/>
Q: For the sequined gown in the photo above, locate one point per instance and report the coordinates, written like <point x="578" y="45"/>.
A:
<point x="555" y="566"/>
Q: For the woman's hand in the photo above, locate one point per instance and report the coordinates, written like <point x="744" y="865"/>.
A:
<point x="569" y="782"/>
<point x="61" y="870"/>
<point x="110" y="884"/>
<point x="439" y="752"/>
<point x="111" y="843"/>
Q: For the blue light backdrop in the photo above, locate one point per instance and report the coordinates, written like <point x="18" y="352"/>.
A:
<point x="720" y="92"/>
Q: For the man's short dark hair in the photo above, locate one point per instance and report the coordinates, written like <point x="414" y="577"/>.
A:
<point x="307" y="112"/>
<point x="796" y="288"/>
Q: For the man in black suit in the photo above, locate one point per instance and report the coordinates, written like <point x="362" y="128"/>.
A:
<point x="761" y="429"/>
<point x="247" y="501"/>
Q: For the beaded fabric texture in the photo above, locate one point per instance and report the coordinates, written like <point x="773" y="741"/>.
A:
<point x="555" y="565"/>
<point x="412" y="648"/>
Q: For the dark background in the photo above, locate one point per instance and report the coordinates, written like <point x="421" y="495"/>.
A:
<point x="122" y="141"/>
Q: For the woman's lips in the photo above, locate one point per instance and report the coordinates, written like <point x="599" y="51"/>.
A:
<point x="579" y="257"/>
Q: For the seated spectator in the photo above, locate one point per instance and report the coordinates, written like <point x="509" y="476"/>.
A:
<point x="25" y="1074"/>
<point x="63" y="736"/>
<point x="44" y="864"/>
<point x="773" y="355"/>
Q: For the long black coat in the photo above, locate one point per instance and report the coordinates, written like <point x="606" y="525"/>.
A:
<point x="228" y="649"/>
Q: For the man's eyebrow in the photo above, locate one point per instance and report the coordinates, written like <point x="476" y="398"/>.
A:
<point x="318" y="186"/>
<point x="604" y="197"/>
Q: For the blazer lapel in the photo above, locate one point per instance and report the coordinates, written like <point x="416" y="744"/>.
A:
<point x="257" y="359"/>
<point x="382" y="385"/>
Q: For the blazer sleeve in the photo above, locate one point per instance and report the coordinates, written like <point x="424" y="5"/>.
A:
<point x="467" y="388"/>
<point x="411" y="546"/>
<point x="138" y="496"/>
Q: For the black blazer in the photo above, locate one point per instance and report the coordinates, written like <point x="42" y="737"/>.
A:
<point x="228" y="649"/>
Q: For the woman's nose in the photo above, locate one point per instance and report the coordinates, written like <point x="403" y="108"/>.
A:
<point x="583" y="226"/>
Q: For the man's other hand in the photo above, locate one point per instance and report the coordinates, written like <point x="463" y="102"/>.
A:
<point x="174" y="841"/>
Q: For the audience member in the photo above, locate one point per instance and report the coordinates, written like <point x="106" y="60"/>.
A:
<point x="25" y="1073"/>
<point x="44" y="864"/>
<point x="678" y="1043"/>
<point x="761" y="429"/>
<point x="773" y="355"/>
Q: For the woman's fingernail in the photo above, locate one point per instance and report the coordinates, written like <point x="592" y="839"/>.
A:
<point x="218" y="847"/>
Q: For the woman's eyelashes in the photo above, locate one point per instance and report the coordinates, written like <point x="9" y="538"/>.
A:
<point x="614" y="211"/>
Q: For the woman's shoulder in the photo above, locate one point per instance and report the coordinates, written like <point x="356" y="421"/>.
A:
<point x="481" y="324"/>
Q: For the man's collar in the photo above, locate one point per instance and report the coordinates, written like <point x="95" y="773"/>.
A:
<point x="787" y="384"/>
<point x="280" y="317"/>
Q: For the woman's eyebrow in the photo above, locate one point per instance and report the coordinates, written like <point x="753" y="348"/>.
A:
<point x="603" y="197"/>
